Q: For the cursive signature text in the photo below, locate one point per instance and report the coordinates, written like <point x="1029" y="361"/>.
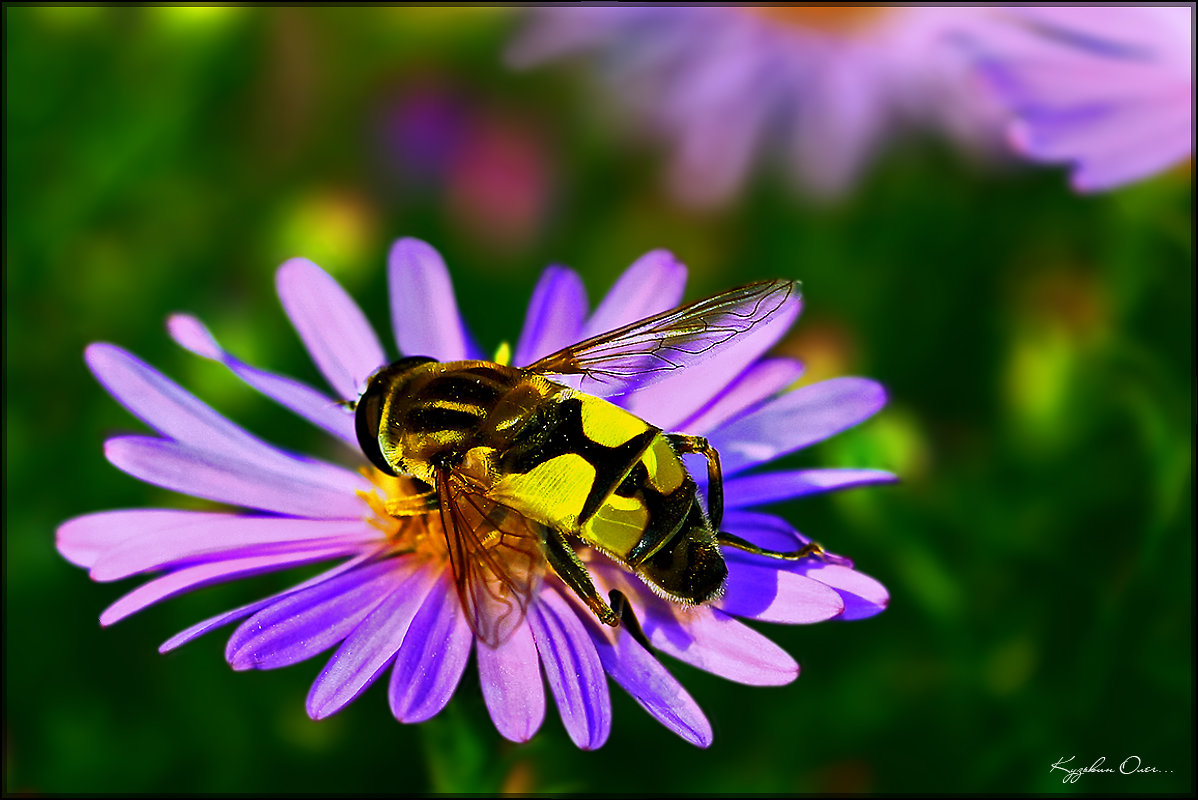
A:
<point x="1132" y="765"/>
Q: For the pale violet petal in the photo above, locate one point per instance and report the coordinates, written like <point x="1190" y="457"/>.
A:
<point x="424" y="311"/>
<point x="205" y="574"/>
<point x="555" y="315"/>
<point x="298" y="490"/>
<point x="316" y="407"/>
<point x="758" y="383"/>
<point x="741" y="491"/>
<point x="653" y="284"/>
<point x="795" y="420"/>
<point x="573" y="670"/>
<point x="863" y="596"/>
<point x="510" y="675"/>
<point x="332" y="327"/>
<point x="305" y="624"/>
<point x="433" y="656"/>
<point x="770" y="593"/>
<point x="370" y="648"/>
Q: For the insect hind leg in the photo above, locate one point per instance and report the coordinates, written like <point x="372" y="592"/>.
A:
<point x="684" y="443"/>
<point x="809" y="550"/>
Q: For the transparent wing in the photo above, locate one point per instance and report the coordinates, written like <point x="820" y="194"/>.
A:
<point x="646" y="351"/>
<point x="496" y="554"/>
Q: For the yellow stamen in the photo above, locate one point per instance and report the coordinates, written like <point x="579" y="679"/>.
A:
<point x="503" y="355"/>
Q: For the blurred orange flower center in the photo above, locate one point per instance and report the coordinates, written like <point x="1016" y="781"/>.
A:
<point x="832" y="19"/>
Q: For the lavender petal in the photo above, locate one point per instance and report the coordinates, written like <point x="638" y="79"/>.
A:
<point x="770" y="593"/>
<point x="512" y="688"/>
<point x="795" y="420"/>
<point x="772" y="487"/>
<point x="862" y="595"/>
<point x="756" y="384"/>
<point x="573" y="670"/>
<point x="206" y="574"/>
<point x="555" y="314"/>
<point x="307" y="623"/>
<point x="341" y="342"/>
<point x="433" y="656"/>
<point x="424" y="312"/>
<point x="301" y="491"/>
<point x="370" y="648"/>
<point x="316" y="407"/>
<point x="653" y="284"/>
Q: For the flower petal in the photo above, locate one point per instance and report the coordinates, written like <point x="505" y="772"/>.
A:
<point x="370" y="648"/>
<point x="709" y="639"/>
<point x="341" y="342"/>
<point x="206" y="574"/>
<point x="153" y="539"/>
<point x="309" y="489"/>
<point x="307" y="623"/>
<point x="795" y="420"/>
<point x="573" y="670"/>
<point x="764" y="530"/>
<point x="424" y="312"/>
<point x="652" y="686"/>
<point x="220" y="620"/>
<point x="555" y="314"/>
<point x="316" y="407"/>
<point x="758" y="383"/>
<point x="667" y="403"/>
<point x="512" y="688"/>
<point x="653" y="284"/>
<point x="863" y="596"/>
<point x="772" y="594"/>
<point x="772" y="487"/>
<point x="433" y="656"/>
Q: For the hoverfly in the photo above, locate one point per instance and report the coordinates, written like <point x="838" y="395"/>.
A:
<point x="521" y="467"/>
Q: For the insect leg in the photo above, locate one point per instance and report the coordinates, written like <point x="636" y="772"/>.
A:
<point x="628" y="620"/>
<point x="573" y="572"/>
<point x="684" y="443"/>
<point x="413" y="505"/>
<point x="811" y="549"/>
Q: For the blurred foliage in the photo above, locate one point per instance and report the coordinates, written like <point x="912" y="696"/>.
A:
<point x="1037" y="347"/>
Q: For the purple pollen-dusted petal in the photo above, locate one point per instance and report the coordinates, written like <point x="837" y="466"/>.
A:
<point x="652" y="686"/>
<point x="220" y="620"/>
<point x="555" y="314"/>
<point x="156" y="539"/>
<point x="433" y="656"/>
<point x="770" y="594"/>
<point x="863" y="596"/>
<point x="205" y="574"/>
<point x="795" y="420"/>
<point x="742" y="491"/>
<point x="512" y="688"/>
<point x="302" y="491"/>
<point x="307" y="623"/>
<point x="370" y="648"/>
<point x="653" y="284"/>
<point x="316" y="407"/>
<point x="424" y="312"/>
<point x="758" y="383"/>
<point x="573" y="670"/>
<point x="669" y="402"/>
<point x="332" y="327"/>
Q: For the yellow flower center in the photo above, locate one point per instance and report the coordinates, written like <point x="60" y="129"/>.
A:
<point x="829" y="19"/>
<point x="405" y="514"/>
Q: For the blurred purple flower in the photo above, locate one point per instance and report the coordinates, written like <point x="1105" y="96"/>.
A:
<point x="1106" y="89"/>
<point x="391" y="601"/>
<point x="821" y="86"/>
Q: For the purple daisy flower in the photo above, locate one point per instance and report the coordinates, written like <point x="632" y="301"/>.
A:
<point x="1106" y="89"/>
<point x="391" y="602"/>
<point x="821" y="86"/>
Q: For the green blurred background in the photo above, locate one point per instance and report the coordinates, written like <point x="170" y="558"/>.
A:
<point x="1036" y="345"/>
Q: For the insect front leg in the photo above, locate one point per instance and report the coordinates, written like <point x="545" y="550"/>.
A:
<point x="573" y="572"/>
<point x="685" y="443"/>
<point x="413" y="505"/>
